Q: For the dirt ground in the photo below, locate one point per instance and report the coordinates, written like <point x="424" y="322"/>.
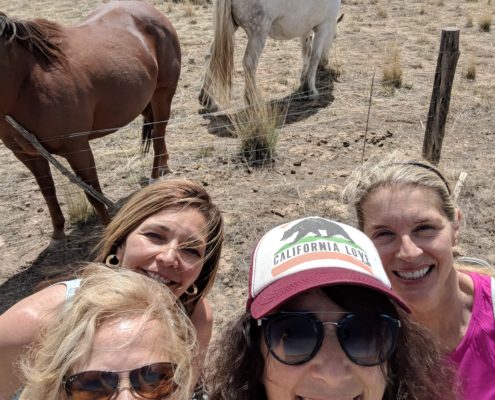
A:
<point x="319" y="145"/>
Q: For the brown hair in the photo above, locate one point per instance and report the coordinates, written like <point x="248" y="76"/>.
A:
<point x="416" y="370"/>
<point x="172" y="193"/>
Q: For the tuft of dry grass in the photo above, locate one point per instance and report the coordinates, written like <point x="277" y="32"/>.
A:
<point x="382" y="12"/>
<point x="471" y="70"/>
<point x="79" y="210"/>
<point x="189" y="9"/>
<point x="485" y="21"/>
<point x="469" y="21"/>
<point x="257" y="126"/>
<point x="392" y="68"/>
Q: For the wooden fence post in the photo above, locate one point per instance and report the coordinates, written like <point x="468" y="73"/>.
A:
<point x="440" y="97"/>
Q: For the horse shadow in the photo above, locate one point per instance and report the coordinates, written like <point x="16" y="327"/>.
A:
<point x="297" y="106"/>
<point x="58" y="261"/>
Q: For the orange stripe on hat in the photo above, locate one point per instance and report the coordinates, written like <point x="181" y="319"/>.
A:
<point x="318" y="256"/>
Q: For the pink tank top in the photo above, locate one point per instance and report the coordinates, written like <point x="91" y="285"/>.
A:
<point x="475" y="354"/>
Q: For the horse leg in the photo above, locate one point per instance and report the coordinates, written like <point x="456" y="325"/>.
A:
<point x="205" y="94"/>
<point x="250" y="61"/>
<point x="326" y="45"/>
<point x="161" y="103"/>
<point x="83" y="165"/>
<point x="306" y="45"/>
<point x="40" y="168"/>
<point x="324" y="34"/>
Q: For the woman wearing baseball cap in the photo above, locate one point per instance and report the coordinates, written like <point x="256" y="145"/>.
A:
<point x="323" y="323"/>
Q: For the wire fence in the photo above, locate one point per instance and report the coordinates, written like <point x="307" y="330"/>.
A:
<point x="214" y="159"/>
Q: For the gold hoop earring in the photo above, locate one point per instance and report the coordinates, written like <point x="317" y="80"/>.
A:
<point x="194" y="290"/>
<point x="112" y="261"/>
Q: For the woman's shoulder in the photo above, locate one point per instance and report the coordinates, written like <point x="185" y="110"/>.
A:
<point x="202" y="312"/>
<point x="27" y="315"/>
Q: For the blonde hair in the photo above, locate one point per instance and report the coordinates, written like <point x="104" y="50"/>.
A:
<point x="107" y="295"/>
<point x="173" y="194"/>
<point x="395" y="171"/>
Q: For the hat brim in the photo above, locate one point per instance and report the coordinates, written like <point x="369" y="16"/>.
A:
<point x="285" y="288"/>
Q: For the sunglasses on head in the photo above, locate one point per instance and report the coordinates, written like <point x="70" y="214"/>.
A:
<point x="294" y="338"/>
<point x="154" y="381"/>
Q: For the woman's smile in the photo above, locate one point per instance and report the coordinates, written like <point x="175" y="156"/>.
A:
<point x="169" y="247"/>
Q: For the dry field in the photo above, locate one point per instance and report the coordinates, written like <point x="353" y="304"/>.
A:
<point x="320" y="143"/>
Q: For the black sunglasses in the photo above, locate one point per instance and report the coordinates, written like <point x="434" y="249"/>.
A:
<point x="294" y="338"/>
<point x="154" y="381"/>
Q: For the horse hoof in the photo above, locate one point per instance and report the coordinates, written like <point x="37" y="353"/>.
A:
<point x="207" y="102"/>
<point x="162" y="172"/>
<point x="313" y="96"/>
<point x="56" y="242"/>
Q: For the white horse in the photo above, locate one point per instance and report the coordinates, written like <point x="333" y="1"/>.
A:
<point x="314" y="21"/>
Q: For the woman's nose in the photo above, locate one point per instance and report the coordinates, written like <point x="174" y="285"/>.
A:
<point x="331" y="363"/>
<point x="168" y="255"/>
<point x="408" y="249"/>
<point x="125" y="394"/>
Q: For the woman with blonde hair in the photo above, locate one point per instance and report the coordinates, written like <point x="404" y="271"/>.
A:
<point x="406" y="208"/>
<point x="170" y="231"/>
<point x="121" y="332"/>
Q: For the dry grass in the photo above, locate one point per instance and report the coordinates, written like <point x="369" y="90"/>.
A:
<point x="469" y="21"/>
<point x="392" y="68"/>
<point x="382" y="12"/>
<point x="471" y="70"/>
<point x="257" y="126"/>
<point x="485" y="21"/>
<point x="188" y="9"/>
<point x="79" y="210"/>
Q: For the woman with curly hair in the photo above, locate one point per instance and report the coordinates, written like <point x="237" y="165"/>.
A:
<point x="323" y="323"/>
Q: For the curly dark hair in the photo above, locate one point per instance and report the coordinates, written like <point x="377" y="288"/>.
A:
<point x="416" y="370"/>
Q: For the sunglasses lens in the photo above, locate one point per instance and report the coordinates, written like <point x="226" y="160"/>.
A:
<point x="154" y="381"/>
<point x="368" y="341"/>
<point x="92" y="385"/>
<point x="293" y="339"/>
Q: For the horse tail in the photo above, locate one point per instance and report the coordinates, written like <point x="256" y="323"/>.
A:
<point x="146" y="134"/>
<point x="221" y="67"/>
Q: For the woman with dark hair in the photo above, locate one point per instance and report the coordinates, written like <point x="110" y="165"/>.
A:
<point x="322" y="323"/>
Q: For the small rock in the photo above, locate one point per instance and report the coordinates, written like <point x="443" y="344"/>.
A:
<point x="297" y="163"/>
<point x="27" y="204"/>
<point x="310" y="172"/>
<point x="346" y="144"/>
<point x="40" y="210"/>
<point x="293" y="171"/>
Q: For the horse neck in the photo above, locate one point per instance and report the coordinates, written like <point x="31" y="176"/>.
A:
<point x="15" y="66"/>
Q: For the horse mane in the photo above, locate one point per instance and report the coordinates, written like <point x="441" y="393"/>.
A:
<point x="40" y="36"/>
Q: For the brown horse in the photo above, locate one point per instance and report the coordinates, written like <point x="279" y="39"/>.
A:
<point x="68" y="85"/>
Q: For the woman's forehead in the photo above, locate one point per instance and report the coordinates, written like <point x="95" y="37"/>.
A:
<point x="403" y="195"/>
<point x="311" y="300"/>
